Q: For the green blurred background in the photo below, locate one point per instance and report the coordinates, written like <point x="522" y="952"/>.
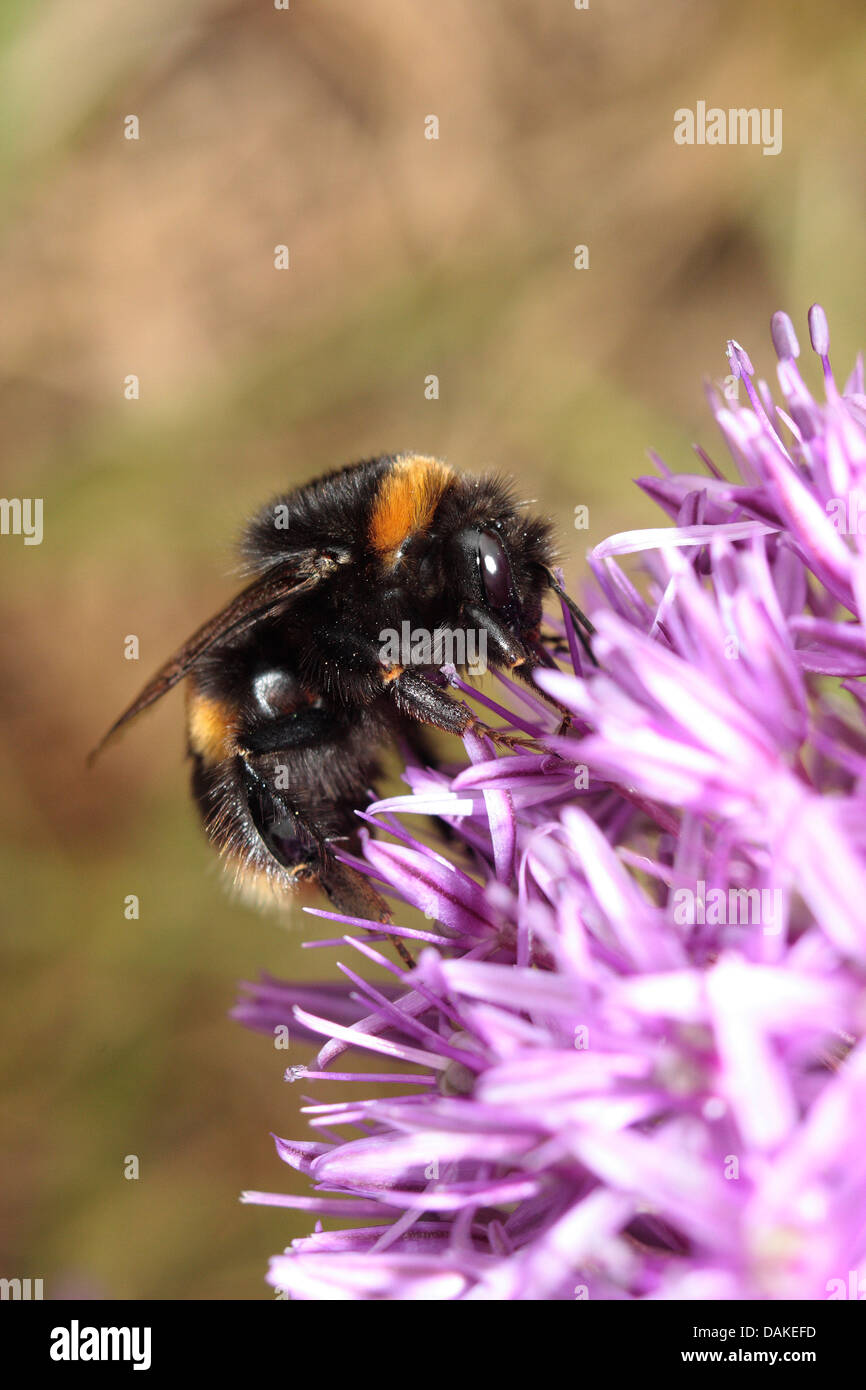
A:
<point x="408" y="257"/>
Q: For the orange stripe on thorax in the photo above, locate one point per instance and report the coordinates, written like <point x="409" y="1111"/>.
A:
<point x="408" y="496"/>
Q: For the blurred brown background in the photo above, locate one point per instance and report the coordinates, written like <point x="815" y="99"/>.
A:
<point x="408" y="257"/>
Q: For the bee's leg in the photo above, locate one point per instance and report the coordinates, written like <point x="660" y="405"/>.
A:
<point x="539" y="656"/>
<point x="429" y="704"/>
<point x="353" y="894"/>
<point x="420" y="699"/>
<point x="298" y="843"/>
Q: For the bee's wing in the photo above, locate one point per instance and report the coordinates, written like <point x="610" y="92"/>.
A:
<point x="264" y="598"/>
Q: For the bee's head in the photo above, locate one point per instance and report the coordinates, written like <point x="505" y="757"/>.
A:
<point x="493" y="560"/>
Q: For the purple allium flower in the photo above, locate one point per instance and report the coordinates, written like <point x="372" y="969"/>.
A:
<point x="633" y="1042"/>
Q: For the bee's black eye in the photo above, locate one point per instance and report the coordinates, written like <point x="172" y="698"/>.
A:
<point x="495" y="570"/>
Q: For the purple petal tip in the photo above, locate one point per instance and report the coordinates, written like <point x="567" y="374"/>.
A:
<point x="784" y="337"/>
<point x="739" y="359"/>
<point x="819" y="330"/>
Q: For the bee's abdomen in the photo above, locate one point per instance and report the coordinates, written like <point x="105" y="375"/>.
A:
<point x="211" y="725"/>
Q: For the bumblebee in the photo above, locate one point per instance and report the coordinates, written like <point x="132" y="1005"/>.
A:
<point x="291" y="692"/>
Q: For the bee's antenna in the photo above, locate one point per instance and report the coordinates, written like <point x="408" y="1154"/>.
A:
<point x="583" y="626"/>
